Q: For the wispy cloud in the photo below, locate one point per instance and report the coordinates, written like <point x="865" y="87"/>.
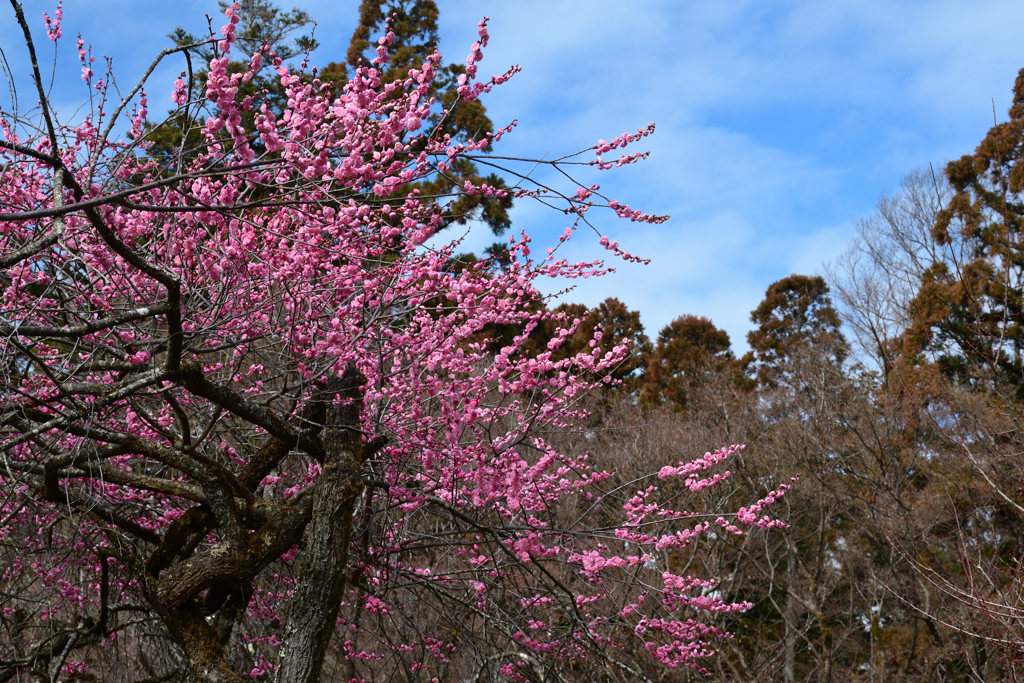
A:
<point x="779" y="124"/>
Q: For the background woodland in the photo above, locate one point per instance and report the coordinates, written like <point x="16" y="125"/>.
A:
<point x="892" y="385"/>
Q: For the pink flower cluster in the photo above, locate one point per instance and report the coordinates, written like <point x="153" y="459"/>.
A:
<point x="749" y="516"/>
<point x="267" y="269"/>
<point x="603" y="147"/>
<point x="86" y="58"/>
<point x="53" y="31"/>
<point x="471" y="92"/>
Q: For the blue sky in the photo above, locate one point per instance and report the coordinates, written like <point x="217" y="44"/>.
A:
<point x="779" y="123"/>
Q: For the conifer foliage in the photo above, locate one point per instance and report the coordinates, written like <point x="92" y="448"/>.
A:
<point x="970" y="312"/>
<point x="796" y="311"/>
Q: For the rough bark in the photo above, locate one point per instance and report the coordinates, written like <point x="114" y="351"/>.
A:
<point x="315" y="603"/>
<point x="206" y="662"/>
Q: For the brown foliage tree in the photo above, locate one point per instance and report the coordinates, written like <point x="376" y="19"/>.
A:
<point x="970" y="313"/>
<point x="796" y="311"/>
<point x="688" y="350"/>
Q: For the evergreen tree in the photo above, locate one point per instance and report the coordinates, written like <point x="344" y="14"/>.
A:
<point x="796" y="313"/>
<point x="969" y="314"/>
<point x="264" y="24"/>
<point x="265" y="29"/>
<point x="618" y="325"/>
<point x="414" y="25"/>
<point x="687" y="351"/>
<point x="180" y="137"/>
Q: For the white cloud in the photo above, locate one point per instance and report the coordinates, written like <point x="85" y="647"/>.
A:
<point x="779" y="123"/>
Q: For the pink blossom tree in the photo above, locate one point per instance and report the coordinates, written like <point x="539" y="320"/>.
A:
<point x="249" y="429"/>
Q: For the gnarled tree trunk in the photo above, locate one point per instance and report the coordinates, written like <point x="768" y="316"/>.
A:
<point x="317" y="598"/>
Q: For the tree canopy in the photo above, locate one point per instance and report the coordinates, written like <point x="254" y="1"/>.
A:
<point x="970" y="311"/>
<point x="253" y="426"/>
